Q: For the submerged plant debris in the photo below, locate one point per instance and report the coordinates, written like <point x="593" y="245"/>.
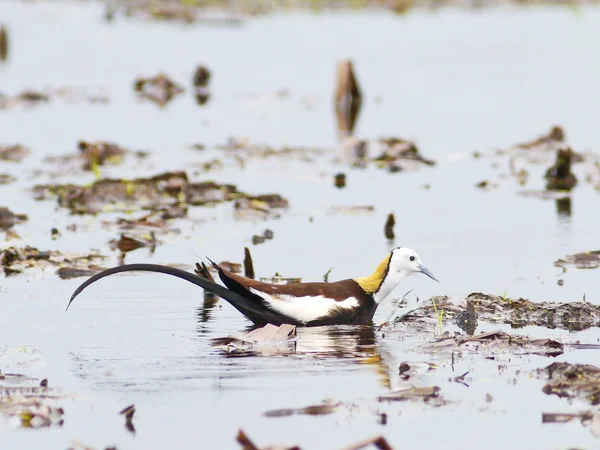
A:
<point x="546" y="142"/>
<point x="91" y="155"/>
<point x="8" y="219"/>
<point x="573" y="316"/>
<point x="26" y="401"/>
<point x="13" y="153"/>
<point x="27" y="404"/>
<point x="160" y="192"/>
<point x="267" y="340"/>
<point x="566" y="380"/>
<point x="428" y="394"/>
<point x="247" y="444"/>
<point x="32" y="98"/>
<point x="584" y="260"/>
<point x="313" y="410"/>
<point x="15" y="260"/>
<point x="160" y="89"/>
<point x="495" y="342"/>
<point x="392" y="153"/>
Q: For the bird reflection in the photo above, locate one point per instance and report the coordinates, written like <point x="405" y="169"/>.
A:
<point x="359" y="343"/>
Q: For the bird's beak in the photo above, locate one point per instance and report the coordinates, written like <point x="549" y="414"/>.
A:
<point x="424" y="270"/>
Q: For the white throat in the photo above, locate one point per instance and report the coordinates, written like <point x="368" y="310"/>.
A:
<point x="389" y="284"/>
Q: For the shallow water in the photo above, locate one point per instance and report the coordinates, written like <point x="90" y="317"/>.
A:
<point x="454" y="81"/>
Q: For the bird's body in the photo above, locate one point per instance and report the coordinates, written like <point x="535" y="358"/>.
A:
<point x="350" y="301"/>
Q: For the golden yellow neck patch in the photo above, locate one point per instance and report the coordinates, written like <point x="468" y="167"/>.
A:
<point x="373" y="282"/>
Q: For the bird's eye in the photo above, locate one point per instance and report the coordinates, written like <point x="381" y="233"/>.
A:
<point x="412" y="258"/>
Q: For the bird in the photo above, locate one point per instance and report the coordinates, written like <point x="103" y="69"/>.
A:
<point x="351" y="301"/>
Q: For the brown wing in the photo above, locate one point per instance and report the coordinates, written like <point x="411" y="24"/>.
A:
<point x="339" y="290"/>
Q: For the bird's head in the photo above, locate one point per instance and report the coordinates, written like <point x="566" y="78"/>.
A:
<point x="406" y="260"/>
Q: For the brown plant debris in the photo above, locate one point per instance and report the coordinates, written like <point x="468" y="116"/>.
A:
<point x="160" y="192"/>
<point x="247" y="444"/>
<point x="400" y="154"/>
<point x="8" y="218"/>
<point x="347" y="99"/>
<point x="556" y="136"/>
<point x="261" y="206"/>
<point x="389" y="227"/>
<point x="13" y="153"/>
<point x="260" y="238"/>
<point x="573" y="316"/>
<point x="352" y="209"/>
<point x="584" y="260"/>
<point x="6" y="178"/>
<point x="313" y="410"/>
<point x="378" y="442"/>
<point x="14" y="260"/>
<point x="243" y="148"/>
<point x="200" y="82"/>
<point x="25" y="98"/>
<point x="266" y="340"/>
<point x="3" y="43"/>
<point x="494" y="342"/>
<point x="587" y="418"/>
<point x="581" y="381"/>
<point x="409" y="369"/>
<point x="128" y="243"/>
<point x="426" y="394"/>
<point x="27" y="403"/>
<point x="248" y="264"/>
<point x="159" y="89"/>
<point x="339" y="180"/>
<point x="559" y="177"/>
<point x="100" y="153"/>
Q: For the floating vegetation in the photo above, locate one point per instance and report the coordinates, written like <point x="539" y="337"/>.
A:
<point x="546" y="142"/>
<point x="160" y="89"/>
<point x="584" y="260"/>
<point x="493" y="343"/>
<point x="13" y="153"/>
<point x="581" y="381"/>
<point x="573" y="316"/>
<point x="15" y="260"/>
<point x="200" y="82"/>
<point x="428" y="394"/>
<point x="267" y="340"/>
<point x="8" y="219"/>
<point x="259" y="239"/>
<point x="393" y="154"/>
<point x="160" y="192"/>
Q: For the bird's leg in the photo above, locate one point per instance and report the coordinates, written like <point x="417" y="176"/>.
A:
<point x="394" y="309"/>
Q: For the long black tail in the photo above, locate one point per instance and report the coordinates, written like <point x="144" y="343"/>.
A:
<point x="242" y="304"/>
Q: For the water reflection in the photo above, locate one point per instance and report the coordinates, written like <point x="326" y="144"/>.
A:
<point x="563" y="207"/>
<point x="359" y="343"/>
<point x="203" y="313"/>
<point x="348" y="99"/>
